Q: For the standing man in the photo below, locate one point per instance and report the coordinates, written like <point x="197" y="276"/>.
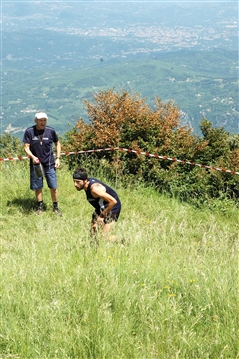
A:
<point x="38" y="141"/>
<point x="103" y="198"/>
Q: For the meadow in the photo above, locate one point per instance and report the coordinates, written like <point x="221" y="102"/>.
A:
<point x="167" y="288"/>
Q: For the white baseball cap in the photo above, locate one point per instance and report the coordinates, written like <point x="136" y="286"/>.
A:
<point x="41" y="115"/>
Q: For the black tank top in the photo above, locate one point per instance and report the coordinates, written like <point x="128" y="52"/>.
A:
<point x="98" y="203"/>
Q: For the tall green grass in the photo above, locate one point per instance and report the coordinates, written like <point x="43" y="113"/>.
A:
<point x="167" y="288"/>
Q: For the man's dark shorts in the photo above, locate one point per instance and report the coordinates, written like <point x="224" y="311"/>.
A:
<point x="110" y="217"/>
<point x="37" y="183"/>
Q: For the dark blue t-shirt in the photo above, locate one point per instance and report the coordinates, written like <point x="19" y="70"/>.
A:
<point x="41" y="142"/>
<point x="98" y="203"/>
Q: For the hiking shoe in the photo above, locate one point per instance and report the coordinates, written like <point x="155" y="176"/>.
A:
<point x="39" y="210"/>
<point x="57" y="211"/>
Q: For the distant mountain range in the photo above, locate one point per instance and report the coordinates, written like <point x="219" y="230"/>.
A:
<point x="56" y="54"/>
<point x="21" y="15"/>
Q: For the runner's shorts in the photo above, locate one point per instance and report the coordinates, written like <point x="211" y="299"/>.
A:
<point x="110" y="217"/>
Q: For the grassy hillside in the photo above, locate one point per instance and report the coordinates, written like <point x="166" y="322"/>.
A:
<point x="200" y="83"/>
<point x="166" y="289"/>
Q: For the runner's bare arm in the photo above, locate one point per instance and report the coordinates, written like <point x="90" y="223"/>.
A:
<point x="98" y="190"/>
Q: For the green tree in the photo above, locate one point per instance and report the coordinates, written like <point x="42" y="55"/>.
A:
<point x="10" y="146"/>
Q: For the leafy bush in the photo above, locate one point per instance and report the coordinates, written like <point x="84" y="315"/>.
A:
<point x="124" y="120"/>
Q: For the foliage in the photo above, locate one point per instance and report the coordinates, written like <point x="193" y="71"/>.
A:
<point x="120" y="119"/>
<point x="10" y="146"/>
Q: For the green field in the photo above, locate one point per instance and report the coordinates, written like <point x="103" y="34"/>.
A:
<point x="202" y="84"/>
<point x="167" y="288"/>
